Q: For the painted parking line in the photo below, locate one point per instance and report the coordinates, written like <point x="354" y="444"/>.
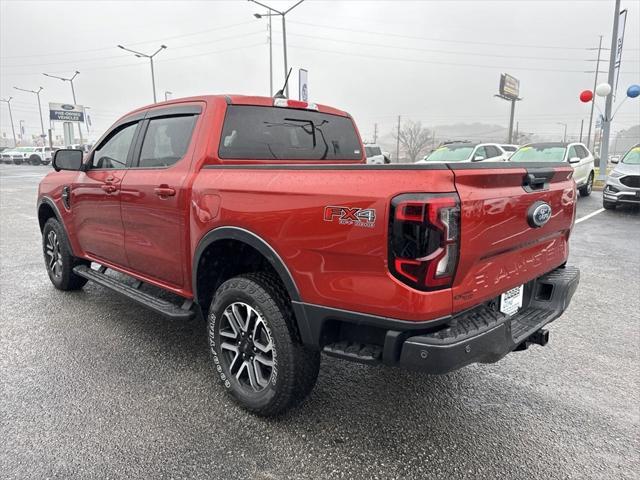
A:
<point x="587" y="217"/>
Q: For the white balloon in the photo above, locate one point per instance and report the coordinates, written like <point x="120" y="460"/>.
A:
<point x="603" y="89"/>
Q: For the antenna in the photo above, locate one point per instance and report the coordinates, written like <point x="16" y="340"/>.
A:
<point x="280" y="93"/>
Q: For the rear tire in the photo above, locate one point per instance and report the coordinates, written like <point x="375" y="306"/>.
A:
<point x="256" y="347"/>
<point x="35" y="160"/>
<point x="587" y="188"/>
<point x="609" y="205"/>
<point x="17" y="161"/>
<point x="58" y="258"/>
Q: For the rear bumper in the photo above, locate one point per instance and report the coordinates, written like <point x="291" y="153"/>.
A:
<point x="479" y="335"/>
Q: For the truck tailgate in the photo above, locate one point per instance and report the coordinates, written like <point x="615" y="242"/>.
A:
<point x="499" y="247"/>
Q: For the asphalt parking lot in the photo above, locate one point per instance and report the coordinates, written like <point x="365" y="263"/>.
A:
<point x="93" y="386"/>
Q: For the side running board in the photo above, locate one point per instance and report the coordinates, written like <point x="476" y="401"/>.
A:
<point x="163" y="307"/>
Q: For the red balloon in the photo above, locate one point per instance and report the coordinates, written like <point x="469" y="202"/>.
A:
<point x="586" y="96"/>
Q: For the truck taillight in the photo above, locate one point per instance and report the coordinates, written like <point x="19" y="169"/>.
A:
<point x="424" y="232"/>
<point x="285" y="102"/>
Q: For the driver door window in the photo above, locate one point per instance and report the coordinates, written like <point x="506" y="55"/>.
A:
<point x="113" y="152"/>
<point x="480" y="153"/>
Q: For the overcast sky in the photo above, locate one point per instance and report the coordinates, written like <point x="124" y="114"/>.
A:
<point x="434" y="61"/>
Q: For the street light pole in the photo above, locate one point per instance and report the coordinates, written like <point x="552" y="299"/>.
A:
<point x="606" y="123"/>
<point x="593" y="100"/>
<point x="166" y="95"/>
<point x="13" y="130"/>
<point x="37" y="93"/>
<point x="564" y="138"/>
<point x="273" y="11"/>
<point x="150" y="57"/>
<point x="73" y="94"/>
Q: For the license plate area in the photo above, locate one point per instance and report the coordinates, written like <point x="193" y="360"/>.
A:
<point x="511" y="300"/>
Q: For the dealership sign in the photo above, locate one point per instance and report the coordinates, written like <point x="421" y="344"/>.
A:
<point x="509" y="86"/>
<point x="66" y="112"/>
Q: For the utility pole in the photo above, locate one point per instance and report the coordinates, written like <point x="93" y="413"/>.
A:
<point x="593" y="100"/>
<point x="564" y="137"/>
<point x="375" y="133"/>
<point x="13" y="130"/>
<point x="606" y="123"/>
<point x="37" y="93"/>
<point x="517" y="132"/>
<point x="150" y="57"/>
<point x="73" y="94"/>
<point x="283" y="14"/>
<point x="398" y="142"/>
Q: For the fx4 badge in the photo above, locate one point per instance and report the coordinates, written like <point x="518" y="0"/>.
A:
<point x="358" y="217"/>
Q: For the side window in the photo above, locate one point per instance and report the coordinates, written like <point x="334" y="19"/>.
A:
<point x="582" y="151"/>
<point x="114" y="150"/>
<point x="166" y="141"/>
<point x="492" y="151"/>
<point x="480" y="152"/>
<point x="572" y="152"/>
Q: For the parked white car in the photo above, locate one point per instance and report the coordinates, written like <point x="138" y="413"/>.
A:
<point x="466" y="152"/>
<point x="623" y="183"/>
<point x="375" y="155"/>
<point x="31" y="155"/>
<point x="575" y="154"/>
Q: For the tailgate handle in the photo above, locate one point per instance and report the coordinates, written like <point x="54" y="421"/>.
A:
<point x="537" y="180"/>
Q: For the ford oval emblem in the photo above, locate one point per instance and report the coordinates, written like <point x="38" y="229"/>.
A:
<point x="67" y="107"/>
<point x="539" y="214"/>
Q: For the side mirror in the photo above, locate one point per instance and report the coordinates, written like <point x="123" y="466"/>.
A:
<point x="615" y="160"/>
<point x="67" y="159"/>
<point x="574" y="160"/>
<point x="478" y="158"/>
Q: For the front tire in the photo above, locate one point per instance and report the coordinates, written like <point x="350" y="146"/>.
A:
<point x="58" y="259"/>
<point x="587" y="188"/>
<point x="256" y="348"/>
<point x="35" y="160"/>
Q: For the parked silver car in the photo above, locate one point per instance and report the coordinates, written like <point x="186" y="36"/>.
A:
<point x="623" y="183"/>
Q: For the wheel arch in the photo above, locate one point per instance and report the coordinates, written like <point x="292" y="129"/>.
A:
<point x="239" y="236"/>
<point x="47" y="209"/>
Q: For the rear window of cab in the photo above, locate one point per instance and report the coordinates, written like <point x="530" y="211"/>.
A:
<point x="273" y="133"/>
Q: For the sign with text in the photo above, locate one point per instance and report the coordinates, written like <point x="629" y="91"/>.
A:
<point x="509" y="86"/>
<point x="66" y="112"/>
<point x="303" y="85"/>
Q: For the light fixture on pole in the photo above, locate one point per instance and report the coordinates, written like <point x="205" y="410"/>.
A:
<point x="150" y="57"/>
<point x="73" y="94"/>
<point x="273" y="11"/>
<point x="269" y="15"/>
<point x="37" y="93"/>
<point x="13" y="130"/>
<point x="564" y="137"/>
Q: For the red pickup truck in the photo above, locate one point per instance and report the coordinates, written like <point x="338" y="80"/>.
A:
<point x="261" y="216"/>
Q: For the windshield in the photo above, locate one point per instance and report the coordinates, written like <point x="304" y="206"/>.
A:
<point x="450" y="153"/>
<point x="371" y="151"/>
<point x="632" y="157"/>
<point x="539" y="153"/>
<point x="264" y="133"/>
<point x="509" y="148"/>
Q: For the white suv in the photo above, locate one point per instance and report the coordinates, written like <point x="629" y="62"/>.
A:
<point x="466" y="152"/>
<point x="375" y="155"/>
<point x="575" y="154"/>
<point x="32" y="155"/>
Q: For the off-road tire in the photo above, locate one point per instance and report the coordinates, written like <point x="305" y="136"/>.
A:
<point x="586" y="189"/>
<point x="62" y="276"/>
<point x="296" y="366"/>
<point x="609" y="205"/>
<point x="35" y="160"/>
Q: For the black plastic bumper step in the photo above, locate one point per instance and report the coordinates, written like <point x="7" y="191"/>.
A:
<point x="358" y="352"/>
<point x="156" y="304"/>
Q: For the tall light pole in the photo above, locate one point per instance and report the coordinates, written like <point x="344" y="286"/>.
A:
<point x="606" y="123"/>
<point x="13" y="130"/>
<point x="37" y="93"/>
<point x="150" y="57"/>
<point x="73" y="94"/>
<point x="166" y="95"/>
<point x="283" y="14"/>
<point x="564" y="138"/>
<point x="269" y="15"/>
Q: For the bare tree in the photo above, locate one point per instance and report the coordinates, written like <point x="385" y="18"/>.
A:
<point x="414" y="139"/>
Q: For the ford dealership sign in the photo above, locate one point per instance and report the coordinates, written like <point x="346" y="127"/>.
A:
<point x="65" y="112"/>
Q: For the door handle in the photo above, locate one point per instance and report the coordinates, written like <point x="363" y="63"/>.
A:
<point x="164" y="191"/>
<point x="108" y="188"/>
